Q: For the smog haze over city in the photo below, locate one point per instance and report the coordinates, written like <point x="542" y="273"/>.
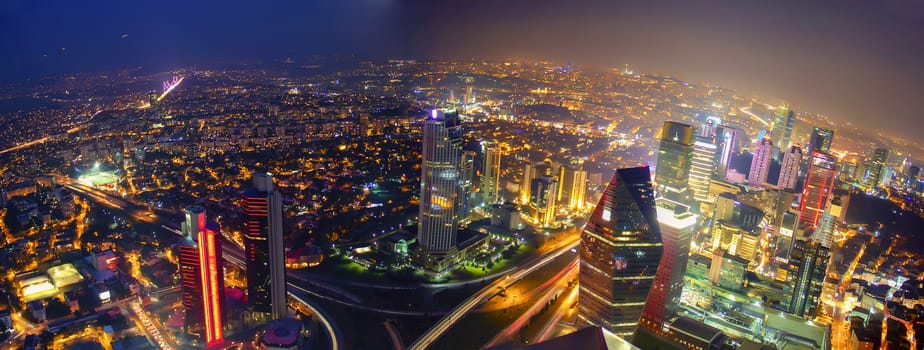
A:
<point x="375" y="174"/>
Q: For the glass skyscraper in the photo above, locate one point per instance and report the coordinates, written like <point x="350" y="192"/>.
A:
<point x="263" y="248"/>
<point x="703" y="165"/>
<point x="441" y="197"/>
<point x="782" y="127"/>
<point x="620" y="252"/>
<point x="490" y="176"/>
<point x="809" y="261"/>
<point x="821" y="140"/>
<point x="675" y="158"/>
<point x="818" y="186"/>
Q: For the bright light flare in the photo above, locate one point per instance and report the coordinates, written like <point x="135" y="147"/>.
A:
<point x="169" y="86"/>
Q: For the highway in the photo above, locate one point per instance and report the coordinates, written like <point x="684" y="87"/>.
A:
<point x="434" y="333"/>
<point x="551" y="289"/>
<point x="747" y="111"/>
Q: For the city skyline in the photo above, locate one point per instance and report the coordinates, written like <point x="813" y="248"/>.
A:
<point x="758" y="57"/>
<point x="401" y="174"/>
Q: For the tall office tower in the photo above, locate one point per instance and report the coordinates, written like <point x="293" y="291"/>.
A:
<point x="809" y="261"/>
<point x="911" y="176"/>
<point x="760" y="163"/>
<point x="263" y="249"/>
<point x="703" y="164"/>
<point x="726" y="141"/>
<point x="531" y="172"/>
<point x="824" y="233"/>
<point x="440" y="185"/>
<point x="877" y="167"/>
<point x="675" y="157"/>
<point x="620" y="252"/>
<point x="818" y="186"/>
<point x="490" y="178"/>
<point x="466" y="182"/>
<point x="848" y="170"/>
<point x="201" y="275"/>
<point x="542" y="204"/>
<point x="789" y="171"/>
<point x="677" y="227"/>
<point x="821" y="140"/>
<point x="788" y="225"/>
<point x="572" y="183"/>
<point x="782" y="127"/>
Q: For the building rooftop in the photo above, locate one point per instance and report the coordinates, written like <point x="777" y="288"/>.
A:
<point x="696" y="329"/>
<point x="679" y="221"/>
<point x="282" y="333"/>
<point x="589" y="338"/>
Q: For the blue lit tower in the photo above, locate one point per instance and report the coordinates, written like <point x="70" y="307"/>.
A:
<point x="441" y="197"/>
<point x="620" y="252"/>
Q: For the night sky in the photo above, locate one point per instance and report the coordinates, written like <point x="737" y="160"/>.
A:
<point x="852" y="60"/>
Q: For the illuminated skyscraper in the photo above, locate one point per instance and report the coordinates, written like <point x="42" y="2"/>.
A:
<point x="572" y="183"/>
<point x="263" y="249"/>
<point x="675" y="157"/>
<point x="818" y="186"/>
<point x="789" y="171"/>
<point x="467" y="196"/>
<point x="877" y="167"/>
<point x="782" y="127"/>
<point x="726" y="141"/>
<point x="703" y="164"/>
<point x="809" y="262"/>
<point x="530" y="172"/>
<point x="490" y="178"/>
<point x="827" y="226"/>
<point x="202" y="276"/>
<point x="676" y="228"/>
<point x="789" y="222"/>
<point x="441" y="195"/>
<point x="821" y="140"/>
<point x="760" y="163"/>
<point x="620" y="252"/>
<point x="542" y="203"/>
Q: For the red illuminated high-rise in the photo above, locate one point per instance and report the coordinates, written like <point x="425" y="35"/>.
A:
<point x="202" y="277"/>
<point x="818" y="185"/>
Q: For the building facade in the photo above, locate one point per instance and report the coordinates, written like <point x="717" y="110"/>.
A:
<point x="202" y="276"/>
<point x="789" y="170"/>
<point x="263" y="249"/>
<point x="620" y="252"/>
<point x="760" y="163"/>
<point x="441" y="180"/>
<point x="819" y="184"/>
<point x="675" y="158"/>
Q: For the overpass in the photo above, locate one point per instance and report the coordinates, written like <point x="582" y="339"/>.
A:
<point x="524" y="269"/>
